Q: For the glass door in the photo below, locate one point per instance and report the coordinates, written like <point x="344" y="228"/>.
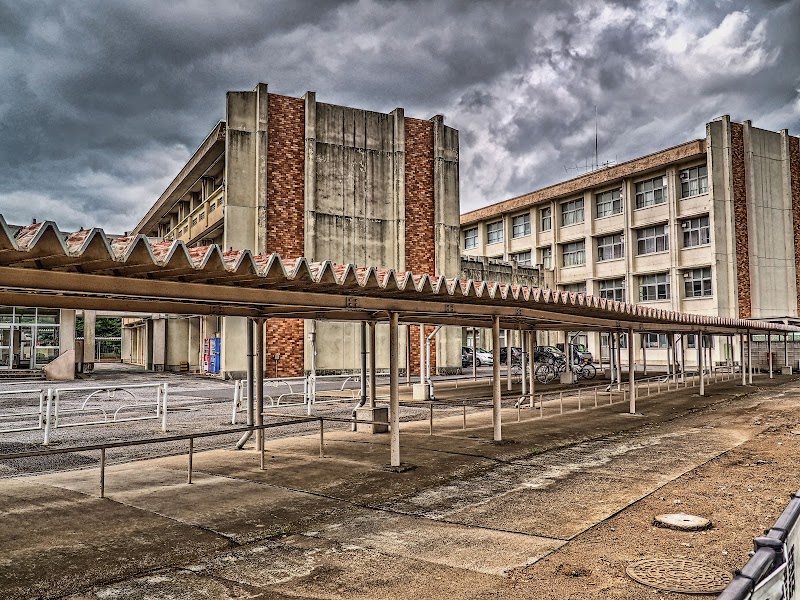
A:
<point x="5" y="347"/>
<point x="25" y="347"/>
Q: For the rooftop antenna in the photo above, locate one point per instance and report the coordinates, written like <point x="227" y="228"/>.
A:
<point x="594" y="166"/>
<point x="596" y="163"/>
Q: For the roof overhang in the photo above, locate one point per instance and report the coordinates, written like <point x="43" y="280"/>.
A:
<point x="42" y="266"/>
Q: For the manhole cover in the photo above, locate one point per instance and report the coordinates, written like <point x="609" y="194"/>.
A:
<point x="682" y="522"/>
<point x="679" y="575"/>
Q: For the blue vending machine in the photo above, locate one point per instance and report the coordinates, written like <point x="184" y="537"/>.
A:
<point x="211" y="356"/>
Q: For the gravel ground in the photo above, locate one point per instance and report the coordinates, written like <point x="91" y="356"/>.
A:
<point x="194" y="405"/>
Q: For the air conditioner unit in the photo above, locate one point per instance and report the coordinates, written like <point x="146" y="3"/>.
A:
<point x="685" y="176"/>
<point x="686" y="275"/>
<point x="206" y="242"/>
<point x="685" y="225"/>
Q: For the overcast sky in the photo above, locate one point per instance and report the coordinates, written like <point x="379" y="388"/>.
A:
<point x="102" y="102"/>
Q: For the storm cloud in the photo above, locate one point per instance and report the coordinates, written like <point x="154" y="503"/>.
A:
<point x="102" y="102"/>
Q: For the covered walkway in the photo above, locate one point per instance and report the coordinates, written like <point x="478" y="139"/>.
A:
<point x="42" y="266"/>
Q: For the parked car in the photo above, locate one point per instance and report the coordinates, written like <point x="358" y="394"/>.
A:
<point x="483" y="357"/>
<point x="466" y="356"/>
<point x="516" y="355"/>
<point x="547" y="354"/>
<point x="581" y="355"/>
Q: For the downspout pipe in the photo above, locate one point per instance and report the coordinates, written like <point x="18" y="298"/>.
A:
<point x="428" y="359"/>
<point x="250" y="392"/>
<point x="363" y="400"/>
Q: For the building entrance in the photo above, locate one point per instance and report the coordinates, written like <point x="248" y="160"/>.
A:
<point x="29" y="337"/>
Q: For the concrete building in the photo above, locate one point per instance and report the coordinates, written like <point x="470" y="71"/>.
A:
<point x="711" y="226"/>
<point x="299" y="177"/>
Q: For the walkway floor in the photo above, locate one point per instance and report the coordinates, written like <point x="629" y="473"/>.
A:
<point x="558" y="511"/>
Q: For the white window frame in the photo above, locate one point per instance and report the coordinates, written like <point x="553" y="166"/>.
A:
<point x="651" y="192"/>
<point x="694" y="181"/>
<point x="613" y="289"/>
<point x="655" y="340"/>
<point x="608" y="203"/>
<point x="614" y="243"/>
<point x="572" y="212"/>
<point x="697" y="228"/>
<point x="492" y="230"/>
<point x="578" y="287"/>
<point x="546" y="217"/>
<point x="573" y="254"/>
<point x="521" y="225"/>
<point x="654" y="287"/>
<point x="526" y="259"/>
<point x="547" y="257"/>
<point x="471" y="238"/>
<point x="650" y="240"/>
<point x="697" y="283"/>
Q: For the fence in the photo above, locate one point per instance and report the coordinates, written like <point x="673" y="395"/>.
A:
<point x="772" y="570"/>
<point x="84" y="406"/>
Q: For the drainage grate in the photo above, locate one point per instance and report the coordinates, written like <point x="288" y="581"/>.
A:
<point x="679" y="575"/>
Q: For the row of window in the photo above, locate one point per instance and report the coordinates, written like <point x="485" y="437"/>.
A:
<point x="651" y="192"/>
<point x="658" y="340"/>
<point x="653" y="287"/>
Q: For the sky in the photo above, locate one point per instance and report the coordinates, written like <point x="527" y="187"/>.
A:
<point x="103" y="101"/>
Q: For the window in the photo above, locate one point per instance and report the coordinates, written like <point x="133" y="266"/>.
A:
<point x="697" y="282"/>
<point x="521" y="225"/>
<point x="574" y="253"/>
<point x="694" y="181"/>
<point x="470" y="238"/>
<point x="696" y="232"/>
<point x="494" y="232"/>
<point x="547" y="257"/>
<point x="691" y="341"/>
<point x="654" y="340"/>
<point x="572" y="212"/>
<point x="652" y="239"/>
<point x="651" y="192"/>
<point x="613" y="289"/>
<point x="574" y="288"/>
<point x="609" y="203"/>
<point x="654" y="287"/>
<point x="522" y="258"/>
<point x="610" y="247"/>
<point x="546" y="213"/>
<point x="604" y="340"/>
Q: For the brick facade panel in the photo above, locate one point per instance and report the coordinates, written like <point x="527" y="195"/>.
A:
<point x="285" y="220"/>
<point x="740" y="221"/>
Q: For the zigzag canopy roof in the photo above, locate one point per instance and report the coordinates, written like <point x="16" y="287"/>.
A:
<point x="42" y="266"/>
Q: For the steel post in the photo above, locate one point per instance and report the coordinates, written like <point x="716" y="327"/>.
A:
<point x="394" y="388"/>
<point x="496" y="389"/>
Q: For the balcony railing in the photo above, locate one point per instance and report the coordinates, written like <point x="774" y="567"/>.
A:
<point x="200" y="220"/>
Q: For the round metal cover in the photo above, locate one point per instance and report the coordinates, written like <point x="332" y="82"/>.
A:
<point x="682" y="522"/>
<point x="679" y="575"/>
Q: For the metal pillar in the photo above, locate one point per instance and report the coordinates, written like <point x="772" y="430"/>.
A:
<point x="531" y="364"/>
<point x="523" y="339"/>
<point x="394" y="391"/>
<point x="259" y="375"/>
<point x="741" y="359"/>
<point x="769" y="353"/>
<point x="643" y="337"/>
<point x="312" y="378"/>
<point x="785" y="350"/>
<point x="508" y="359"/>
<point x="683" y="358"/>
<point x="408" y="355"/>
<point x="612" y="369"/>
<point x="619" y="359"/>
<point x="373" y="379"/>
<point x="670" y="362"/>
<point x="421" y="353"/>
<point x="364" y="353"/>
<point x="496" y="386"/>
<point x="474" y="353"/>
<point x="250" y="382"/>
<point x="700" y="370"/>
<point x="632" y="372"/>
<point x="749" y="358"/>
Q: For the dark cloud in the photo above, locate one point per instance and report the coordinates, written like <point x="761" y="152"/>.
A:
<point x="102" y="102"/>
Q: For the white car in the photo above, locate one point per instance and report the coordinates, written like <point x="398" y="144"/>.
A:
<point x="484" y="357"/>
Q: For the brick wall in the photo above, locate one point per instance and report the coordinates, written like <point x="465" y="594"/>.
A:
<point x="419" y="215"/>
<point x="794" y="169"/>
<point x="740" y="221"/>
<point x="285" y="219"/>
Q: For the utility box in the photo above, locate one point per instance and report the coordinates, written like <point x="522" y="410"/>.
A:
<point x="786" y="370"/>
<point x="421" y="391"/>
<point x="568" y="377"/>
<point x="379" y="413"/>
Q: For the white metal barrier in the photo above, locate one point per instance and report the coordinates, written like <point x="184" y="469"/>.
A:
<point x="54" y="411"/>
<point x="36" y="416"/>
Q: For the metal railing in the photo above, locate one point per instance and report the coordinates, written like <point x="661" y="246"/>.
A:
<point x="190" y="437"/>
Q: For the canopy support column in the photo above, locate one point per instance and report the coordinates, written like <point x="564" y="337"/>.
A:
<point x="250" y="387"/>
<point x="632" y="372"/>
<point x="394" y="390"/>
<point x="496" y="389"/>
<point x="531" y="364"/>
<point x="741" y="359"/>
<point x="749" y="358"/>
<point x="373" y="383"/>
<point x="700" y="352"/>
<point x="260" y="382"/>
<point x="508" y="359"/>
<point x="618" y="339"/>
<point x="474" y="353"/>
<point x="769" y="353"/>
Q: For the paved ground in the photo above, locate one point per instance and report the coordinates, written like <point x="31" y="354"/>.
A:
<point x="557" y="512"/>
